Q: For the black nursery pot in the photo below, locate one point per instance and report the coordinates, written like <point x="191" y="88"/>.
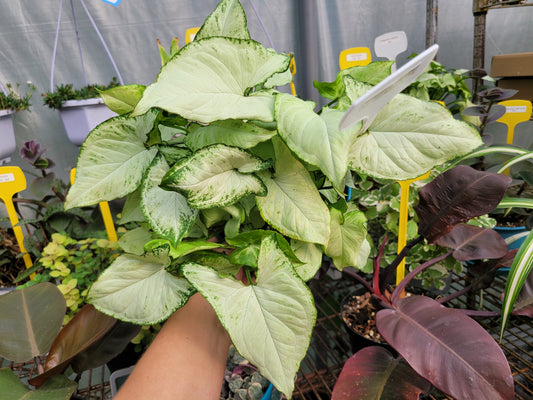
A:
<point x="357" y="340"/>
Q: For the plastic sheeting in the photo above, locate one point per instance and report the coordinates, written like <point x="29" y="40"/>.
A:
<point x="314" y="30"/>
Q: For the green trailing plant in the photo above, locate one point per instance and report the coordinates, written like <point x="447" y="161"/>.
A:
<point x="73" y="266"/>
<point x="439" y="83"/>
<point x="227" y="174"/>
<point x="65" y="92"/>
<point x="13" y="100"/>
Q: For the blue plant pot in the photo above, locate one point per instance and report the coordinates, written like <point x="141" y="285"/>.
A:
<point x="506" y="232"/>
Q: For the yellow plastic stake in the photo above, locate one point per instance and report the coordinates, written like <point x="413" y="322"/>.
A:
<point x="516" y="111"/>
<point x="354" y="56"/>
<point x="12" y="180"/>
<point x="104" y="210"/>
<point x="292" y="67"/>
<point x="402" y="223"/>
<point x="190" y="34"/>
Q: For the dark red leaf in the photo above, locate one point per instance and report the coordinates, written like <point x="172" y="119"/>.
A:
<point x="524" y="302"/>
<point x="455" y="196"/>
<point x="86" y="328"/>
<point x="473" y="243"/>
<point x="448" y="348"/>
<point x="373" y="373"/>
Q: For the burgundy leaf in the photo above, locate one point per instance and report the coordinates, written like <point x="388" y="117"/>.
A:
<point x="373" y="373"/>
<point x="448" y="348"/>
<point x="455" y="196"/>
<point x="473" y="243"/>
<point x="86" y="328"/>
<point x="524" y="302"/>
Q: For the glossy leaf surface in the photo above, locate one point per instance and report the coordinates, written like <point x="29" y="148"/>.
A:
<point x="374" y="374"/>
<point x="455" y="196"/>
<point x="443" y="345"/>
<point x="31" y="319"/>
<point x="473" y="243"/>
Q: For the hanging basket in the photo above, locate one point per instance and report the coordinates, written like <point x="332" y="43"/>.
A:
<point x="82" y="116"/>
<point x="7" y="136"/>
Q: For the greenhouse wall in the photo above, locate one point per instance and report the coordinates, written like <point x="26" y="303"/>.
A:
<point x="314" y="30"/>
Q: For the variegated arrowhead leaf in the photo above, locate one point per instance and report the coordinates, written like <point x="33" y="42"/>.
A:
<point x="167" y="212"/>
<point x="112" y="160"/>
<point x="228" y="20"/>
<point x="293" y="205"/>
<point x="214" y="176"/>
<point x="348" y="233"/>
<point x="230" y="132"/>
<point x="304" y="132"/>
<point x="209" y="79"/>
<point x="270" y="322"/>
<point x="138" y="289"/>
<point x="409" y="137"/>
<point x="311" y="256"/>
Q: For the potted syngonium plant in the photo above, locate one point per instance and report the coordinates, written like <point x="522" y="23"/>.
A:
<point x="211" y="156"/>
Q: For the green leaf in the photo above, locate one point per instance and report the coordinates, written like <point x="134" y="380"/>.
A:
<point x="139" y="290"/>
<point x="348" y="233"/>
<point x="56" y="388"/>
<point x="518" y="273"/>
<point x="167" y="212"/>
<point x="40" y="186"/>
<point x="208" y="81"/>
<point x="31" y="318"/>
<point x="112" y="160"/>
<point x="228" y="20"/>
<point x="131" y="212"/>
<point x="230" y="132"/>
<point x="304" y="132"/>
<point x="122" y="99"/>
<point x="509" y="202"/>
<point x="311" y="256"/>
<point x="293" y="205"/>
<point x="269" y="322"/>
<point x="214" y="176"/>
<point x="133" y="241"/>
<point x="409" y="137"/>
<point x="371" y="74"/>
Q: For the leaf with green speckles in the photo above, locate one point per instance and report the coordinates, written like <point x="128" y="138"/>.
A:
<point x="304" y="132"/>
<point x="216" y="176"/>
<point x="209" y="80"/>
<point x="228" y="20"/>
<point x="230" y="132"/>
<point x="348" y="233"/>
<point x="293" y="204"/>
<point x="112" y="160"/>
<point x="408" y="138"/>
<point x="139" y="290"/>
<point x="167" y="212"/>
<point x="270" y="323"/>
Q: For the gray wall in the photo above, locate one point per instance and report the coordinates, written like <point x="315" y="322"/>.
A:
<point x="315" y="30"/>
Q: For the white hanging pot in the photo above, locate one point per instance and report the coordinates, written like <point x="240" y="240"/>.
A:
<point x="82" y="116"/>
<point x="7" y="136"/>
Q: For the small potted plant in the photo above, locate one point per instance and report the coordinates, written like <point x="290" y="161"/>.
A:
<point x="81" y="110"/>
<point x="10" y="102"/>
<point x="212" y="157"/>
<point x="437" y="345"/>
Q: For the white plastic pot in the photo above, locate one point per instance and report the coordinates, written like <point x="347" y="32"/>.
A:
<point x="7" y="136"/>
<point x="82" y="116"/>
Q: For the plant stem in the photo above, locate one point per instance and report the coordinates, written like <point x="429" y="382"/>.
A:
<point x="401" y="286"/>
<point x="357" y="277"/>
<point x="391" y="269"/>
<point x="452" y="296"/>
